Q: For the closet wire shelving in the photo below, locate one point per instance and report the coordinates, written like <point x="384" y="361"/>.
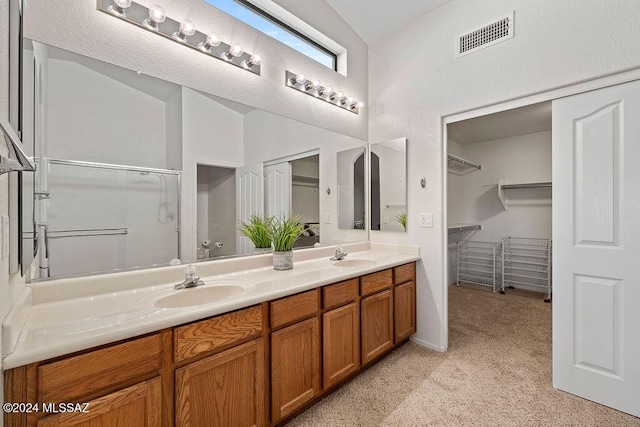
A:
<point x="478" y="263"/>
<point x="526" y="262"/>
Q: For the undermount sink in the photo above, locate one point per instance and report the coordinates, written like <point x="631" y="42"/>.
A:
<point x="208" y="293"/>
<point x="354" y="263"/>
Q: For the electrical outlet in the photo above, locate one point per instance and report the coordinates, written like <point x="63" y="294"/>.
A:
<point x="426" y="220"/>
<point x="385" y="220"/>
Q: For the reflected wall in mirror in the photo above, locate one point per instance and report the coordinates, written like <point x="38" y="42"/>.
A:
<point x="134" y="171"/>
<point x="351" y="189"/>
<point x="389" y="185"/>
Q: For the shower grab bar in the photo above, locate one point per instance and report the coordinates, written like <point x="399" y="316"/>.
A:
<point x="88" y="232"/>
<point x="84" y="164"/>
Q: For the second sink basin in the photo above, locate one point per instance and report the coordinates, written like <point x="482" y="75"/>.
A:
<point x="354" y="263"/>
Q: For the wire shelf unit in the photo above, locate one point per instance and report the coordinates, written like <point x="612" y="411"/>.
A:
<point x="526" y="262"/>
<point x="479" y="263"/>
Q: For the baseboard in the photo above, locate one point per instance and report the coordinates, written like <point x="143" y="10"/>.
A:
<point x="427" y="344"/>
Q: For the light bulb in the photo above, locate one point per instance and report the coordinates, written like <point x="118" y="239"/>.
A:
<point x="233" y="52"/>
<point x="350" y="100"/>
<point x="213" y="39"/>
<point x="360" y="104"/>
<point x="300" y="78"/>
<point x="187" y="28"/>
<point x="236" y="50"/>
<point x="119" y="7"/>
<point x="254" y="60"/>
<point x="312" y="85"/>
<point x="338" y="96"/>
<point x="327" y="91"/>
<point x="157" y="15"/>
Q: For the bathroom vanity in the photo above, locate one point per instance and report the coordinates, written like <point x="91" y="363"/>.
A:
<point x="257" y="357"/>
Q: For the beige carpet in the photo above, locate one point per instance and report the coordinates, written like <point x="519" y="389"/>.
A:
<point x="497" y="373"/>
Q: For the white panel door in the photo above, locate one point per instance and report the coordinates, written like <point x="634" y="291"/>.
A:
<point x="249" y="200"/>
<point x="596" y="238"/>
<point x="277" y="189"/>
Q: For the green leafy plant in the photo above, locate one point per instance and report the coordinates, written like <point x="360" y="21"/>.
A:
<point x="285" y="231"/>
<point x="402" y="219"/>
<point x="258" y="230"/>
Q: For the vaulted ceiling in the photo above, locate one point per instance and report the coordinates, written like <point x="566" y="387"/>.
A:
<point x="374" y="20"/>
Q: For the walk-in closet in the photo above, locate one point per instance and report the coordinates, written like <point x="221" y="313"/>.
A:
<point x="499" y="201"/>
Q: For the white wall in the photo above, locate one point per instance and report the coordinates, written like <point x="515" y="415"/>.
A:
<point x="269" y="137"/>
<point x="519" y="159"/>
<point x="556" y="43"/>
<point x="473" y="198"/>
<point x="88" y="120"/>
<point x="79" y="27"/>
<point x="213" y="135"/>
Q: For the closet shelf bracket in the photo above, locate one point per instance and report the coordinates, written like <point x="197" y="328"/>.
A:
<point x="502" y="186"/>
<point x="459" y="166"/>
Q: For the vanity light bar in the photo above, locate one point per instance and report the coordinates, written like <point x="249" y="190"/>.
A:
<point x="325" y="93"/>
<point x="154" y="19"/>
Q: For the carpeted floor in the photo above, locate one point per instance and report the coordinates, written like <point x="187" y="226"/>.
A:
<point x="497" y="373"/>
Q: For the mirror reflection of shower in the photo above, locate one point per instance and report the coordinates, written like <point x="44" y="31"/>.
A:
<point x="164" y="214"/>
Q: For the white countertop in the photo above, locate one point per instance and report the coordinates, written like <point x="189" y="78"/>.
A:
<point x="63" y="316"/>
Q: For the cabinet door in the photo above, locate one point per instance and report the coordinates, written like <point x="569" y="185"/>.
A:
<point x="136" y="406"/>
<point x="341" y="343"/>
<point x="295" y="367"/>
<point x="223" y="390"/>
<point x="404" y="299"/>
<point x="377" y="325"/>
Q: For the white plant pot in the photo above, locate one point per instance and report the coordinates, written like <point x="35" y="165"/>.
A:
<point x="282" y="260"/>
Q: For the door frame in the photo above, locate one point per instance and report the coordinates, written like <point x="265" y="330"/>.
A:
<point x="543" y="96"/>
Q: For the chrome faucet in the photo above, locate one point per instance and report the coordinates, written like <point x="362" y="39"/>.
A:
<point x="191" y="280"/>
<point x="339" y="255"/>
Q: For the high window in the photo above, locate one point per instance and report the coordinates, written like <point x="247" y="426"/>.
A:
<point x="276" y="28"/>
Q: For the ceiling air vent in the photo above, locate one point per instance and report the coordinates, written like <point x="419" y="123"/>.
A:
<point x="486" y="36"/>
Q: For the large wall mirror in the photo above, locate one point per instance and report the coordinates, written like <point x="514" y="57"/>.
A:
<point x="389" y="185"/>
<point x="134" y="171"/>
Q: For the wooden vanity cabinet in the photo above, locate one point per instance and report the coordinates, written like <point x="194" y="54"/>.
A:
<point x="220" y="377"/>
<point x="377" y="325"/>
<point x="122" y="384"/>
<point x="137" y="406"/>
<point x="340" y="332"/>
<point x="256" y="366"/>
<point x="295" y="353"/>
<point x="226" y="389"/>
<point x="404" y="299"/>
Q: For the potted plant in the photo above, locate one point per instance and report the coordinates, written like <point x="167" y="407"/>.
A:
<point x="258" y="230"/>
<point x="402" y="219"/>
<point x="284" y="232"/>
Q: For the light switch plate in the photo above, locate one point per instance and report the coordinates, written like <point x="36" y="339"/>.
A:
<point x="385" y="220"/>
<point x="426" y="220"/>
<point x="327" y="218"/>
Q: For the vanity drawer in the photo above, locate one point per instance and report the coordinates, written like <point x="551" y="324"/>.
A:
<point x="404" y="273"/>
<point x="375" y="282"/>
<point x="70" y="379"/>
<point x="218" y="332"/>
<point x="297" y="307"/>
<point x="340" y="293"/>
